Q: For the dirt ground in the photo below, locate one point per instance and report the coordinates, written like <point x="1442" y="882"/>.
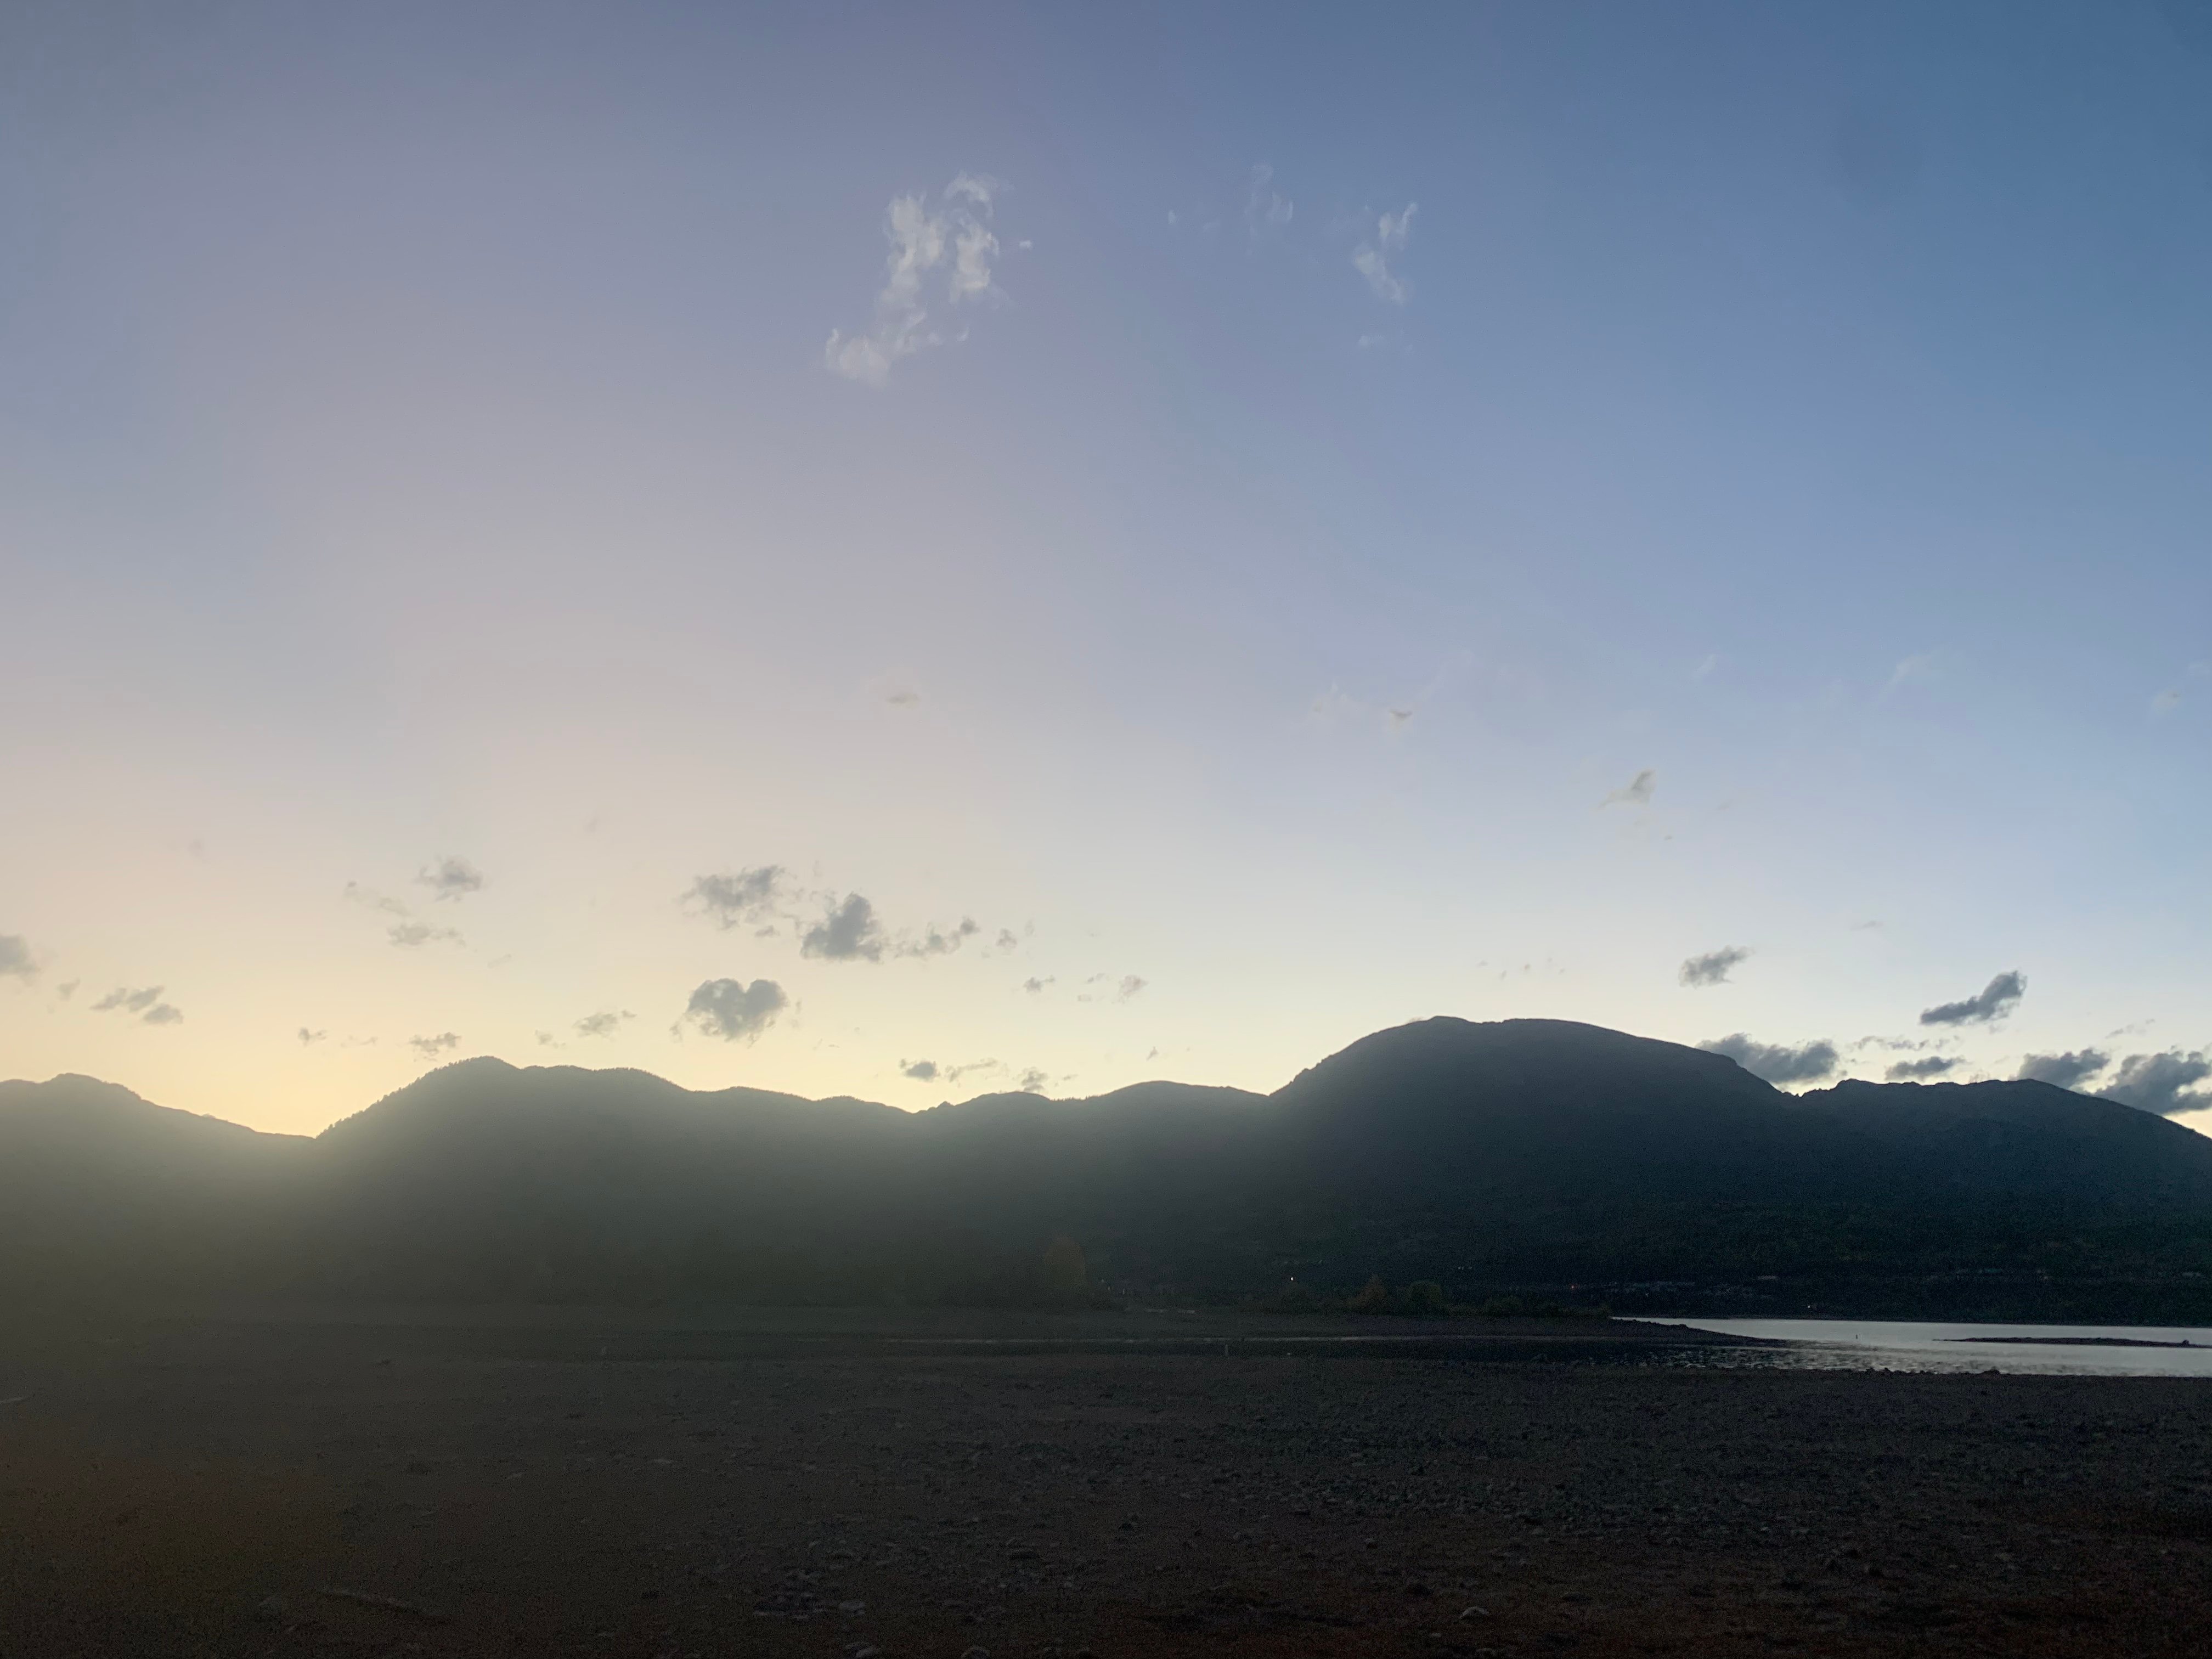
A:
<point x="849" y="1486"/>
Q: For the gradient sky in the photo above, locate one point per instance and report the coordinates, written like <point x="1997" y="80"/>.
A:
<point x="1291" y="520"/>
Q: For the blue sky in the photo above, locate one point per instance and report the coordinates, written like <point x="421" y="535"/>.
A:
<point x="1314" y="463"/>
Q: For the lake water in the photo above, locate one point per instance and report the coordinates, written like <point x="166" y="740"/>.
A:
<point x="1861" y="1345"/>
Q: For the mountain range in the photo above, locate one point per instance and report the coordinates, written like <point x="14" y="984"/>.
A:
<point x="1483" y="1157"/>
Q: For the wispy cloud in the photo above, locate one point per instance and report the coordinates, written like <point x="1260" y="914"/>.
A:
<point x="147" y="1004"/>
<point x="1988" y="1005"/>
<point x="1266" y="210"/>
<point x="1715" y="966"/>
<point x="1637" y="792"/>
<point x="431" y="1047"/>
<point x="733" y="1011"/>
<point x="411" y="935"/>
<point x="604" y="1024"/>
<point x="1033" y="985"/>
<point x="935" y="942"/>
<point x="1371" y="259"/>
<point x="1130" y="987"/>
<point x="954" y="238"/>
<point x="308" y="1039"/>
<point x="755" y="896"/>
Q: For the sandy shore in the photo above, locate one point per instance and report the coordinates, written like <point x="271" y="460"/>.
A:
<point x="923" y="1485"/>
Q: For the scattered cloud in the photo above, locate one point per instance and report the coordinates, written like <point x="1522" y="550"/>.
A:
<point x="308" y="1039"/>
<point x="431" y="1047"/>
<point x="147" y="1004"/>
<point x="848" y="933"/>
<point x="450" y="879"/>
<point x="1996" y="999"/>
<point x="936" y="944"/>
<point x="605" y="1025"/>
<point x="67" y="990"/>
<point x="753" y="896"/>
<point x="16" y="960"/>
<point x="1006" y="941"/>
<point x="921" y="1070"/>
<point x="1371" y="259"/>
<point x="2068" y="1070"/>
<point x="1130" y="986"/>
<point x="1033" y="985"/>
<point x="2165" y="1083"/>
<point x="1911" y="1071"/>
<point x="954" y="238"/>
<point x="1637" y="792"/>
<point x="1266" y="212"/>
<point x="1705" y="665"/>
<point x="902" y="699"/>
<point x="1032" y="1081"/>
<point x="1776" y="1062"/>
<point x="1715" y="966"/>
<point x="545" y="1040"/>
<point x="409" y="935"/>
<point x="734" y="1011"/>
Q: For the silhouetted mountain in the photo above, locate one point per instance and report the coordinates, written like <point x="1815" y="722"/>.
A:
<point x="1476" y="1154"/>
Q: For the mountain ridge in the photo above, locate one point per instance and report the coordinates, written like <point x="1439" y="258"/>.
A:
<point x="1481" y="1153"/>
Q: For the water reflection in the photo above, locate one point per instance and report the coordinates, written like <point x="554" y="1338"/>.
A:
<point x="1860" y="1345"/>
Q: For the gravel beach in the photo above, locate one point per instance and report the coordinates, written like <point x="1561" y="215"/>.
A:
<point x="839" y="1484"/>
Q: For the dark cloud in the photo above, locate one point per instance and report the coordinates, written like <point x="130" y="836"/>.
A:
<point x="1714" y="967"/>
<point x="1910" y="1071"/>
<point x="450" y="879"/>
<point x="848" y="933"/>
<point x="408" y="935"/>
<point x="1033" y="1081"/>
<point x="2068" y="1070"/>
<point x="735" y="1011"/>
<point x="1776" y="1062"/>
<point x="602" y="1025"/>
<point x="16" y="958"/>
<point x="1637" y="792"/>
<point x="431" y="1047"/>
<point x="1998" y="998"/>
<point x="1006" y="939"/>
<point x="308" y="1039"/>
<point x="750" y="896"/>
<point x="2165" y="1083"/>
<point x="921" y="1070"/>
<point x="936" y="944"/>
<point x="147" y="1004"/>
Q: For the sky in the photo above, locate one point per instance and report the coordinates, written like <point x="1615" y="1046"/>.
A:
<point x="909" y="551"/>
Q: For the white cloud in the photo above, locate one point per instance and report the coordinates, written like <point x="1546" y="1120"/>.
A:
<point x="955" y="237"/>
<point x="1371" y="259"/>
